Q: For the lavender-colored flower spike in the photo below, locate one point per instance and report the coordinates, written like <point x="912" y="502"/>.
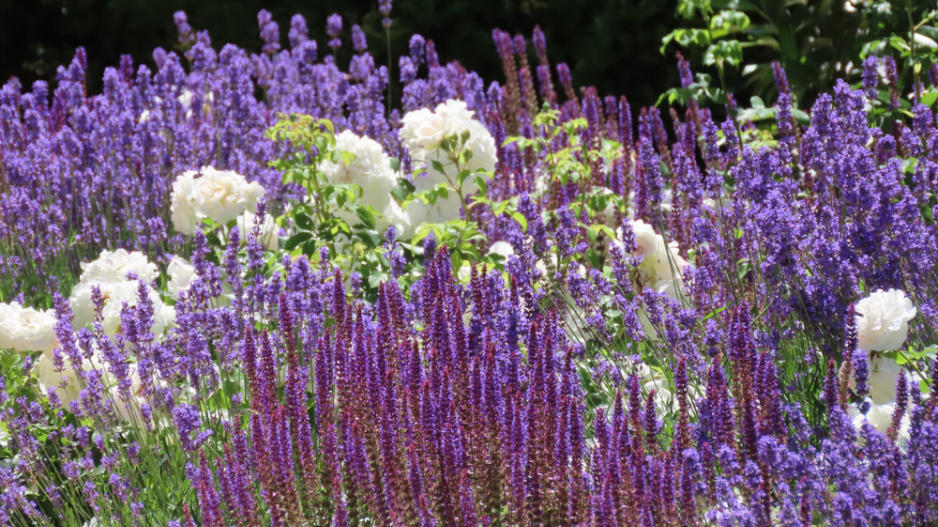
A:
<point x="333" y="29"/>
<point x="870" y="76"/>
<point x="359" y="42"/>
<point x="270" y="32"/>
<point x="384" y="7"/>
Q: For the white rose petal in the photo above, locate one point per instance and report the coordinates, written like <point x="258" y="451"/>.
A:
<point x="884" y="375"/>
<point x="115" y="295"/>
<point x="25" y="329"/>
<point x="502" y="248"/>
<point x="879" y="416"/>
<point x="182" y="204"/>
<point x="221" y="195"/>
<point x="51" y="380"/>
<point x="268" y="230"/>
<point x="422" y="134"/>
<point x="114" y="267"/>
<point x="181" y="274"/>
<point x="883" y="320"/>
<point x="224" y="195"/>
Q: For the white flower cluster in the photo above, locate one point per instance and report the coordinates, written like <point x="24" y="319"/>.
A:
<point x="371" y="170"/>
<point x="66" y="383"/>
<point x="109" y="274"/>
<point x="423" y="134"/>
<point x="221" y="195"/>
<point x="882" y="321"/>
<point x="181" y="275"/>
<point x="25" y="329"/>
<point x="661" y="266"/>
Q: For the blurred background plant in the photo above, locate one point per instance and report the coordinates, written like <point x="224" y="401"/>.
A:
<point x="37" y="36"/>
<point x="734" y="43"/>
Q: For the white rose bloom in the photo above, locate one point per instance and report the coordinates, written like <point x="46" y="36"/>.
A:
<point x="661" y="266"/>
<point x="884" y="375"/>
<point x="666" y="262"/>
<point x="883" y="320"/>
<point x="25" y="329"/>
<point x="268" y="230"/>
<point x="880" y="417"/>
<point x="126" y="293"/>
<point x="401" y="219"/>
<point x="181" y="274"/>
<point x="224" y="195"/>
<point x="182" y="208"/>
<point x="443" y="210"/>
<point x="115" y="294"/>
<point x="51" y="380"/>
<point x="423" y="133"/>
<point x="480" y="143"/>
<point x="425" y="130"/>
<point x="670" y="287"/>
<point x="114" y="266"/>
<point x="422" y="130"/>
<point x="371" y="170"/>
<point x="646" y="239"/>
<point x="504" y="249"/>
<point x="664" y="399"/>
<point x="82" y="304"/>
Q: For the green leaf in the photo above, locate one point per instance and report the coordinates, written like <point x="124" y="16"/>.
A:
<point x="422" y="233"/>
<point x="521" y="220"/>
<point x="929" y="98"/>
<point x="483" y="186"/>
<point x="371" y="239"/>
<point x="297" y="239"/>
<point x="303" y="222"/>
<point x="403" y="190"/>
<point x="367" y="215"/>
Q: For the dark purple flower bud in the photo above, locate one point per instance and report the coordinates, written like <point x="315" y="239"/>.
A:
<point x="540" y="45"/>
<point x="781" y="80"/>
<point x="870" y="76"/>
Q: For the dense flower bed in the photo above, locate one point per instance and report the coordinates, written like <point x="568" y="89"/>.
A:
<point x="244" y="292"/>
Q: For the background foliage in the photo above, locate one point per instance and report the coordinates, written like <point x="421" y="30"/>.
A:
<point x="608" y="43"/>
